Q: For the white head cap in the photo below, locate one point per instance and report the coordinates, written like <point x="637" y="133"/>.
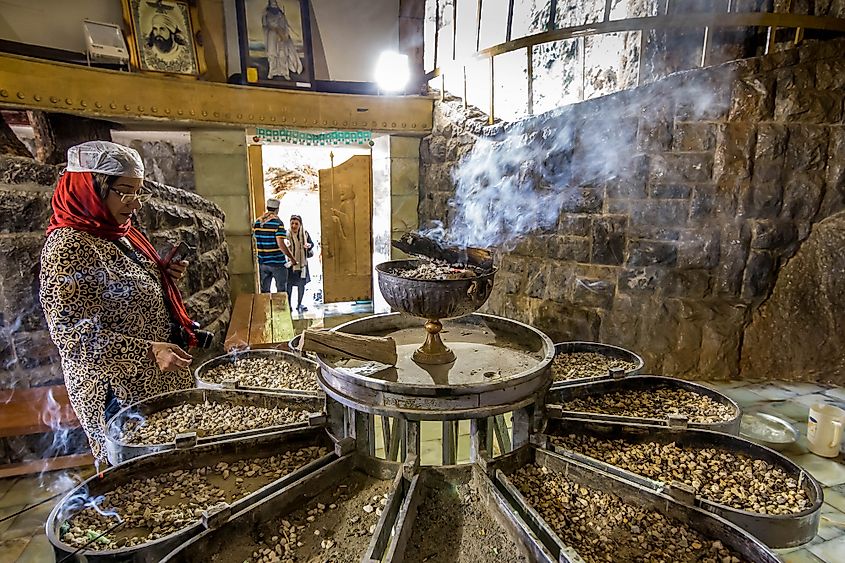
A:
<point x="106" y="158"/>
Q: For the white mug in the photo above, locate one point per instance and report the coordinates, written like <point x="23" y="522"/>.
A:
<point x="824" y="429"/>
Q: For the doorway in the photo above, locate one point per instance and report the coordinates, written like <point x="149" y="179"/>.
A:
<point x="331" y="188"/>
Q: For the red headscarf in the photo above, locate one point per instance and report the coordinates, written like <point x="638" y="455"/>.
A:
<point x="76" y="204"/>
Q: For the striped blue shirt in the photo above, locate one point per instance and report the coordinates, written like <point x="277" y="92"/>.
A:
<point x="265" y="241"/>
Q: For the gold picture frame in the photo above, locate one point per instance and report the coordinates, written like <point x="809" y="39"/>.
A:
<point x="164" y="37"/>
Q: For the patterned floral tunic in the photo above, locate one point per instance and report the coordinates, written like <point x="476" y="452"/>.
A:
<point x="103" y="309"/>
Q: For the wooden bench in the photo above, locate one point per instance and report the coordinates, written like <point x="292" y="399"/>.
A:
<point x="260" y="320"/>
<point x="34" y="411"/>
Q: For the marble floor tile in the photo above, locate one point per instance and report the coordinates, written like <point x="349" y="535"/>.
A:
<point x="826" y="471"/>
<point x="38" y="550"/>
<point x="6" y="512"/>
<point x="758" y="406"/>
<point x="834" y="498"/>
<point x="797" y="449"/>
<point x="836" y="393"/>
<point x="430" y="452"/>
<point x="26" y="490"/>
<point x="743" y="396"/>
<point x="6" y="485"/>
<point x="802" y="555"/>
<point x="832" y="522"/>
<point x="463" y="448"/>
<point x="812" y="399"/>
<point x="10" y="550"/>
<point x="794" y="411"/>
<point x="803" y="388"/>
<point x="720" y="385"/>
<point x="29" y="523"/>
<point x="830" y="551"/>
<point x="771" y="391"/>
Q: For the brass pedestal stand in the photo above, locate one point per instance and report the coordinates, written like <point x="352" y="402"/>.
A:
<point x="433" y="351"/>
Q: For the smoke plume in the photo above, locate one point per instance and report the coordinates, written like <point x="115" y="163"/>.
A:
<point x="520" y="177"/>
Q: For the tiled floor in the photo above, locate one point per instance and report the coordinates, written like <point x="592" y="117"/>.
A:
<point x="22" y="538"/>
<point x="793" y="401"/>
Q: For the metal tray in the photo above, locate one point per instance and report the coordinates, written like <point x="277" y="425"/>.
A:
<point x="155" y="464"/>
<point x="598" y="348"/>
<point x="447" y="477"/>
<point x="293" y="348"/>
<point x="231" y="357"/>
<point x="776" y="531"/>
<point x="708" y="524"/>
<point x="516" y="354"/>
<point x="262" y="516"/>
<point x="556" y="397"/>
<point x="119" y="451"/>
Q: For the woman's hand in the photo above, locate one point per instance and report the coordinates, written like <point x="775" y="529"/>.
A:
<point x="169" y="357"/>
<point x="176" y="270"/>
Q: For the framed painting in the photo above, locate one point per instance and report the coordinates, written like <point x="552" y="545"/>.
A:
<point x="163" y="36"/>
<point x="275" y="43"/>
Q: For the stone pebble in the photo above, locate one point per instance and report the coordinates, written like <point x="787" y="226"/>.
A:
<point x="206" y="419"/>
<point x="601" y="527"/>
<point x="655" y="403"/>
<point x="154" y="507"/>
<point x="283" y="546"/>
<point x="271" y="373"/>
<point x="733" y="479"/>
<point x="580" y="365"/>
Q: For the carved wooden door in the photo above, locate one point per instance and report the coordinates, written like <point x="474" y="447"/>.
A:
<point x="346" y="196"/>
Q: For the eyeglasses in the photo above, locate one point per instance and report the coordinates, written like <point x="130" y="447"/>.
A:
<point x="140" y="197"/>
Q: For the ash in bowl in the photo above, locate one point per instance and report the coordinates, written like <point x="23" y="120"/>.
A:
<point x="269" y="373"/>
<point x="655" y="403"/>
<point x="581" y="365"/>
<point x="154" y="507"/>
<point x="733" y="479"/>
<point x="206" y="419"/>
<point x="602" y="527"/>
<point x="437" y="271"/>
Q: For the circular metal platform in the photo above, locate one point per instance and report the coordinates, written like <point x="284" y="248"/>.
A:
<point x="501" y="365"/>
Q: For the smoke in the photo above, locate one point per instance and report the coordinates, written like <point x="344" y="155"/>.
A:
<point x="51" y="415"/>
<point x="519" y="177"/>
<point x="80" y="500"/>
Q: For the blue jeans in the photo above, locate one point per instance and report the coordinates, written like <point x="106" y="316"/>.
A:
<point x="268" y="272"/>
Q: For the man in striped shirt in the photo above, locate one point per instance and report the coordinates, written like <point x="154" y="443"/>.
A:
<point x="269" y="233"/>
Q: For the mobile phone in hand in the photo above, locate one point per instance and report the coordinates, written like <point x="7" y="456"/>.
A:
<point x="178" y="253"/>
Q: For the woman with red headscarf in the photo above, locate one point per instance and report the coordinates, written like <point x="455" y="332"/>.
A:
<point x="111" y="302"/>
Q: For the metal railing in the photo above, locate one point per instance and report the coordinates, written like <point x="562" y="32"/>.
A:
<point x="767" y="22"/>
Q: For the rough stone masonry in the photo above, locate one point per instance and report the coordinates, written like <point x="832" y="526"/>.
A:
<point x="713" y="249"/>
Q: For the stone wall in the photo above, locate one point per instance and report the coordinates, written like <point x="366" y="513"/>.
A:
<point x="662" y="218"/>
<point x="166" y="154"/>
<point x="167" y="162"/>
<point x="27" y="355"/>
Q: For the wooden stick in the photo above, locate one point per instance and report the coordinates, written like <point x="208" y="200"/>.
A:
<point x="418" y="245"/>
<point x="374" y="348"/>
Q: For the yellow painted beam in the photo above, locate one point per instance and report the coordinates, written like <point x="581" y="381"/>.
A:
<point x="121" y="96"/>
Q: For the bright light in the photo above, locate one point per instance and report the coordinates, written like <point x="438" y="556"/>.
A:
<point x="392" y="73"/>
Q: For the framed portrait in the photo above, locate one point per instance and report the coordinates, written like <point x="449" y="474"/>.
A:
<point x="275" y="43"/>
<point x="163" y="36"/>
